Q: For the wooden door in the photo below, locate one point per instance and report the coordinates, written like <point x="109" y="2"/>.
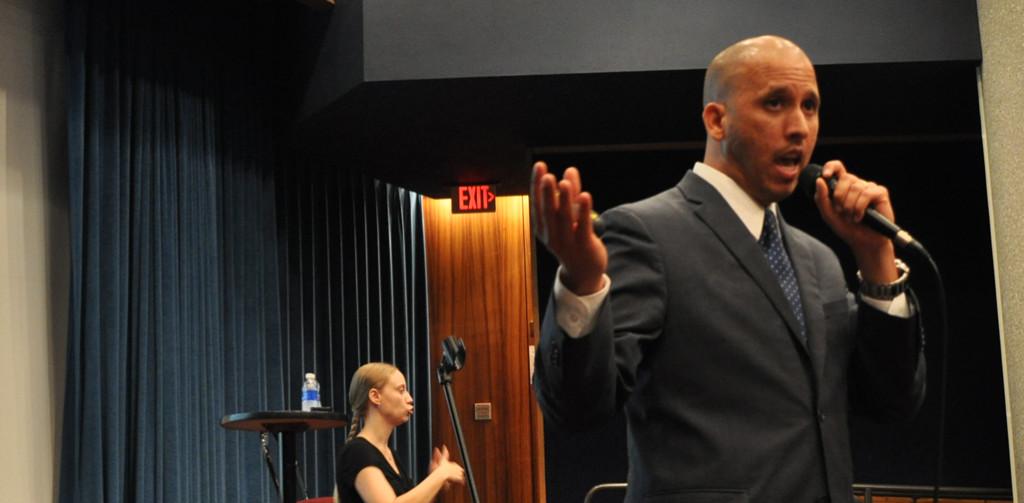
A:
<point x="480" y="284"/>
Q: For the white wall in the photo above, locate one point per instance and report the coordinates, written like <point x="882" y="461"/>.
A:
<point x="34" y="258"/>
<point x="1002" y="77"/>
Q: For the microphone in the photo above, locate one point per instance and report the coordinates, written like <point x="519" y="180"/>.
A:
<point x="873" y="219"/>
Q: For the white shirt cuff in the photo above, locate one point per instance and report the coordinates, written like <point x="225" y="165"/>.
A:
<point x="576" y="315"/>
<point x="896" y="307"/>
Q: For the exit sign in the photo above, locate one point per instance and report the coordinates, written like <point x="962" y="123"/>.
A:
<point x="473" y="199"/>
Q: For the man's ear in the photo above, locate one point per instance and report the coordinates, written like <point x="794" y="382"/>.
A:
<point x="715" y="120"/>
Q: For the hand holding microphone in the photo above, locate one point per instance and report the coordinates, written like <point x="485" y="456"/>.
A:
<point x="871" y="217"/>
<point x="860" y="213"/>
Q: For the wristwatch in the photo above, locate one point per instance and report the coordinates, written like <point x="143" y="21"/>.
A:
<point x="886" y="291"/>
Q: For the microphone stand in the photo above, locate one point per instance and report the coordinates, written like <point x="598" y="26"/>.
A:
<point x="452" y="359"/>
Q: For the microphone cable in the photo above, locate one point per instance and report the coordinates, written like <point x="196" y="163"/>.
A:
<point x="943" y="377"/>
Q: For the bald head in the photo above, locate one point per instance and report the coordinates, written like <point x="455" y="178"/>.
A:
<point x="761" y="115"/>
<point x="737" y="59"/>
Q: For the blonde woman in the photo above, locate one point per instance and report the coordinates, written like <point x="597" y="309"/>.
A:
<point x="368" y="472"/>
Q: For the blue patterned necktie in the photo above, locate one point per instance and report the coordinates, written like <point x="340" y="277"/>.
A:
<point x="771" y="244"/>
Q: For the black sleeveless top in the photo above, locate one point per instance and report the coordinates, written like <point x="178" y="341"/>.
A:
<point x="357" y="454"/>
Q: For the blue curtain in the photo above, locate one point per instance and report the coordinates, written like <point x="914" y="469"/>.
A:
<point x="353" y="291"/>
<point x="174" y="292"/>
<point x="201" y="286"/>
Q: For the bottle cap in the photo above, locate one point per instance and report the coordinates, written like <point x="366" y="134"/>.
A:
<point x="310" y="375"/>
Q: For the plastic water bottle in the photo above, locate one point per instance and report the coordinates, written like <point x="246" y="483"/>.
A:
<point x="310" y="392"/>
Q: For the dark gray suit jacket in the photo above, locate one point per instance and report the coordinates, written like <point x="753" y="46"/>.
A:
<point x="723" y="400"/>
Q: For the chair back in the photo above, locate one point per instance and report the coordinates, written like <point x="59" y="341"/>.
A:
<point x="606" y="493"/>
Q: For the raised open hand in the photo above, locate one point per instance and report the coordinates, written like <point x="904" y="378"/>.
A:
<point x="561" y="220"/>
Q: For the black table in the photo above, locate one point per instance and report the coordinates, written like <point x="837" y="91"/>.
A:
<point x="285" y="424"/>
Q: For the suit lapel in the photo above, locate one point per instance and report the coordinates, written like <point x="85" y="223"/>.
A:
<point x="712" y="209"/>
<point x="810" y="294"/>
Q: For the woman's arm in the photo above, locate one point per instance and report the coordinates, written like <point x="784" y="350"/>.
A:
<point x="373" y="487"/>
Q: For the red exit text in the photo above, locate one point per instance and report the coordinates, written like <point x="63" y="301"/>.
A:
<point x="473" y="199"/>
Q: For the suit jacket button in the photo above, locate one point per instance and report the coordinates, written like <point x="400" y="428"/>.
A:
<point x="821" y="417"/>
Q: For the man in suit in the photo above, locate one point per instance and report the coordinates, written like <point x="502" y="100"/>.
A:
<point x="729" y="337"/>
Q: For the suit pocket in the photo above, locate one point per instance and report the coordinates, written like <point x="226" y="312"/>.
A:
<point x="836" y="308"/>
<point x="838" y="318"/>
<point x="700" y="496"/>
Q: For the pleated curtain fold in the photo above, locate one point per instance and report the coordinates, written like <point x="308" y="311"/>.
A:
<point x="202" y="284"/>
